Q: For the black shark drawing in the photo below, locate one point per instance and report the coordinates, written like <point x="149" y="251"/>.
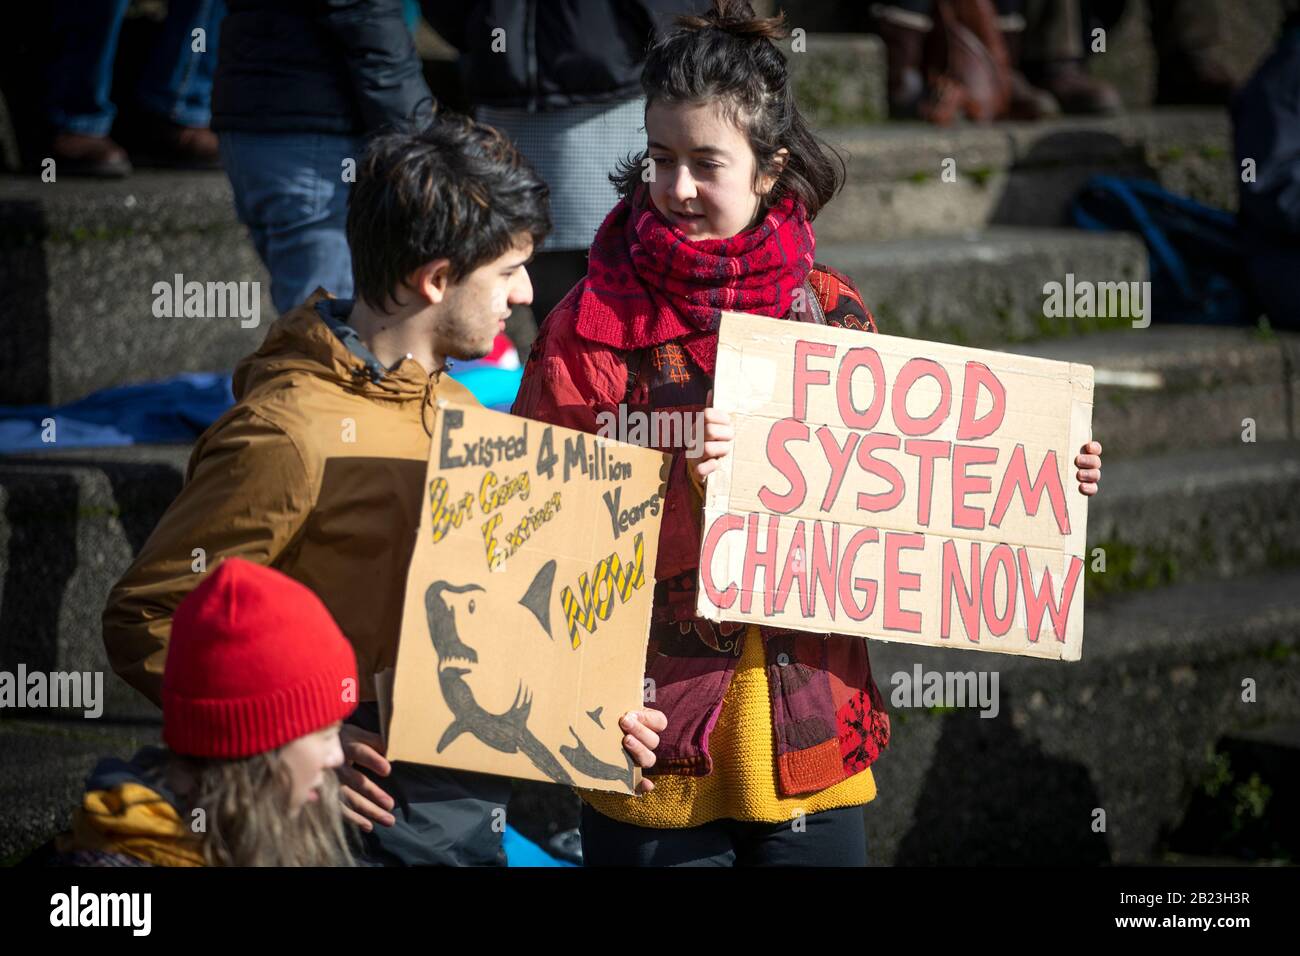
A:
<point x="507" y="732"/>
<point x="584" y="761"/>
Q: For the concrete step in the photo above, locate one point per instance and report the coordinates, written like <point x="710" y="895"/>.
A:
<point x="77" y="274"/>
<point x="1020" y="174"/>
<point x="1243" y="804"/>
<point x="1195" y="515"/>
<point x="1126" y="730"/>
<point x="72" y="523"/>
<point x="1181" y="387"/>
<point x="838" y="78"/>
<point x="984" y="287"/>
<point x="43" y="769"/>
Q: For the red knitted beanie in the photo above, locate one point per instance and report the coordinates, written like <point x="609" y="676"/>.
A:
<point x="255" y="661"/>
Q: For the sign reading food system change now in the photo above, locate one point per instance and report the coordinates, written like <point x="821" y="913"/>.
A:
<point x="897" y="489"/>
<point x="527" y="601"/>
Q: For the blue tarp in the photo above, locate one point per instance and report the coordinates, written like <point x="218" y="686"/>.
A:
<point x="520" y="851"/>
<point x="177" y="409"/>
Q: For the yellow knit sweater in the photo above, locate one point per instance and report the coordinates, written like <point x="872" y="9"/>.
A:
<point x="742" y="785"/>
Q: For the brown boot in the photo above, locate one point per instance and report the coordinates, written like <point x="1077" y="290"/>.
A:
<point x="967" y="71"/>
<point x="76" y="154"/>
<point x="162" y="143"/>
<point x="1076" y="91"/>
<point x="904" y="46"/>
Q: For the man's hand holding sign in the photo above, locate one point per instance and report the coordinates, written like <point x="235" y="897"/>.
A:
<point x="901" y="490"/>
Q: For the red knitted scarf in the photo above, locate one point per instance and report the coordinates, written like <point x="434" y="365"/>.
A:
<point x="648" y="283"/>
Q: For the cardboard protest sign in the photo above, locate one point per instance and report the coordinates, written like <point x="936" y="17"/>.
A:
<point x="527" y="601"/>
<point x="897" y="489"/>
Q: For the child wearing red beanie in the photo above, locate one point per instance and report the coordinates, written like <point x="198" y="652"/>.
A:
<point x="257" y="683"/>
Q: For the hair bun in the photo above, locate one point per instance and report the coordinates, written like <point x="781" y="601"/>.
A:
<point x="737" y="18"/>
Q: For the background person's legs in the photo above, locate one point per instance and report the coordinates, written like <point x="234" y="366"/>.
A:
<point x="1028" y="102"/>
<point x="1053" y="57"/>
<point x="289" y="191"/>
<point x="79" y="109"/>
<point x="903" y="27"/>
<point x="175" y="88"/>
<point x="1186" y="37"/>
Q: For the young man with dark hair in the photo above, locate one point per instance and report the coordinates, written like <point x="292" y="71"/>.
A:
<point x="317" y="470"/>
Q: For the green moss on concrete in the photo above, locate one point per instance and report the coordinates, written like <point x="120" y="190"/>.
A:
<point x="1244" y="801"/>
<point x="1130" y="567"/>
<point x="1281" y="652"/>
<point x="818" y="86"/>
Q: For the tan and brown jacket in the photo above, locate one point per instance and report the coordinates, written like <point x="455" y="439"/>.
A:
<point x="315" y="471"/>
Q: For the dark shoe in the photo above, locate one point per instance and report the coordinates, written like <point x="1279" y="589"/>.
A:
<point x="76" y="154"/>
<point x="1194" y="81"/>
<point x="1028" y="102"/>
<point x="1076" y="91"/>
<point x="161" y="143"/>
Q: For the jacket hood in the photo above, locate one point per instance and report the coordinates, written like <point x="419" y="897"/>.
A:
<point x="128" y="809"/>
<point x="301" y="343"/>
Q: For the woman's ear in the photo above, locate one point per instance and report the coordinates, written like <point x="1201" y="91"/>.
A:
<point x="768" y="182"/>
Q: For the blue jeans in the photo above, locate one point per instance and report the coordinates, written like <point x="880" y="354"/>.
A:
<point x="176" y="82"/>
<point x="290" y="193"/>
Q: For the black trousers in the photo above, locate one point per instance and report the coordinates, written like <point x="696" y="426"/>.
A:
<point x="828" y="838"/>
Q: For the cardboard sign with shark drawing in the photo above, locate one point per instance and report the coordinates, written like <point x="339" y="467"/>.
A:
<point x="527" y="601"/>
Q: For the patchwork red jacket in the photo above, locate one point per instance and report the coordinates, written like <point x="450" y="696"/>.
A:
<point x="827" y="713"/>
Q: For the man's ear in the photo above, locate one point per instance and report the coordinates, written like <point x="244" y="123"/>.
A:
<point x="431" y="280"/>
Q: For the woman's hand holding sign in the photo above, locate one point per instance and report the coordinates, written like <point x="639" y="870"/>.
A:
<point x="719" y="435"/>
<point x="1089" y="465"/>
<point x="642" y="728"/>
